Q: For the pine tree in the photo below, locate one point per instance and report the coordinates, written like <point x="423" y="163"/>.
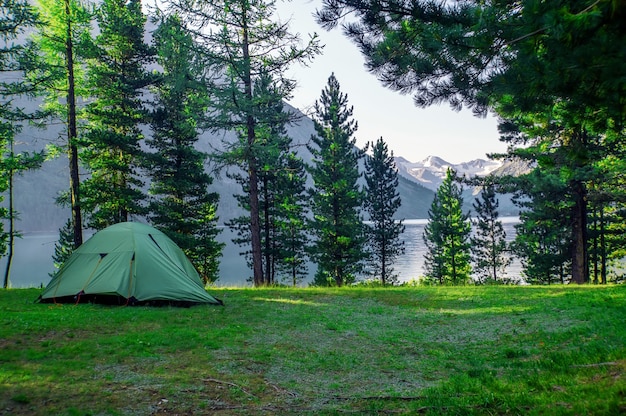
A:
<point x="241" y="43"/>
<point x="551" y="67"/>
<point x="117" y="77"/>
<point x="277" y="163"/>
<point x="447" y="235"/>
<point x="336" y="198"/>
<point x="181" y="205"/>
<point x="542" y="241"/>
<point x="206" y="254"/>
<point x="63" y="31"/>
<point x="274" y="146"/>
<point x="559" y="146"/>
<point x="291" y="229"/>
<point x="284" y="233"/>
<point x="16" y="17"/>
<point x="382" y="202"/>
<point x="271" y="144"/>
<point x="478" y="53"/>
<point x="434" y="239"/>
<point x="607" y="230"/>
<point x="64" y="247"/>
<point x="488" y="244"/>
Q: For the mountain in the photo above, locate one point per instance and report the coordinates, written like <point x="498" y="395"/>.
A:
<point x="431" y="171"/>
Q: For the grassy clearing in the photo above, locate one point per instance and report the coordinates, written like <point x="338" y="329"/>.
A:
<point x="453" y="350"/>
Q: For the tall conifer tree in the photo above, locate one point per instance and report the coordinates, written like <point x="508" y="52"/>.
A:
<point x="291" y="228"/>
<point x="446" y="236"/>
<point x="16" y="17"/>
<point x="271" y="134"/>
<point x="117" y="77"/>
<point x="281" y="191"/>
<point x="181" y="205"/>
<point x="488" y="244"/>
<point x="63" y="32"/>
<point x="242" y="42"/>
<point x="382" y="203"/>
<point x="273" y="146"/>
<point x="336" y="198"/>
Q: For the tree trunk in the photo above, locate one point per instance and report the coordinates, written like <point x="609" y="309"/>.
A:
<point x="255" y="227"/>
<point x="603" y="247"/>
<point x="580" y="260"/>
<point x="266" y="229"/>
<point x="338" y="270"/>
<point x="453" y="263"/>
<point x="594" y="256"/>
<point x="253" y="176"/>
<point x="7" y="272"/>
<point x="72" y="135"/>
<point x="383" y="259"/>
<point x="493" y="257"/>
<point x="580" y="269"/>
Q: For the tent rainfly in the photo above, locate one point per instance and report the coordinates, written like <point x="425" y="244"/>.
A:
<point x="128" y="263"/>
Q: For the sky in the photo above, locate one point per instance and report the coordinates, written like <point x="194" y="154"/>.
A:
<point x="411" y="132"/>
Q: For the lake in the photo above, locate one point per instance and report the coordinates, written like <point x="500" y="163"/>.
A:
<point x="32" y="259"/>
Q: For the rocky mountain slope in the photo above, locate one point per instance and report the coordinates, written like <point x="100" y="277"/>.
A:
<point x="431" y="171"/>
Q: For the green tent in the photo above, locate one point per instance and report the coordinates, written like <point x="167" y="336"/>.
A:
<point x="128" y="263"/>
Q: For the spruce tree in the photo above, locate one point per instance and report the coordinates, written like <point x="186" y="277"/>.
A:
<point x="181" y="205"/>
<point x="64" y="247"/>
<point x="434" y="239"/>
<point x="272" y="146"/>
<point x="292" y="236"/>
<point x="118" y="78"/>
<point x="336" y="198"/>
<point x="446" y="236"/>
<point x="382" y="203"/>
<point x="488" y="244"/>
<point x="241" y="42"/>
<point x="281" y="186"/>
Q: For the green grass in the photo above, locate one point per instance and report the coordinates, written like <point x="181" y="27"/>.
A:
<point x="427" y="350"/>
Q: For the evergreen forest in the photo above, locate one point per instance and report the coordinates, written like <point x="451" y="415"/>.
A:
<point x="133" y="87"/>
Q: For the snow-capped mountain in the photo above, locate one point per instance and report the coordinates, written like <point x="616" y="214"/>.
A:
<point x="431" y="171"/>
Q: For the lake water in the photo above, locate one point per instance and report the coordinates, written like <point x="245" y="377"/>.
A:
<point x="32" y="259"/>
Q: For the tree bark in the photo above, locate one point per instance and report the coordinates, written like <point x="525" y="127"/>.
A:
<point x="7" y="272"/>
<point x="255" y="226"/>
<point x="72" y="135"/>
<point x="603" y="247"/>
<point x="267" y="231"/>
<point x="580" y="269"/>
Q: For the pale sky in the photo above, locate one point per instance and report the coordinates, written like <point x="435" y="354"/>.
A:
<point x="411" y="132"/>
